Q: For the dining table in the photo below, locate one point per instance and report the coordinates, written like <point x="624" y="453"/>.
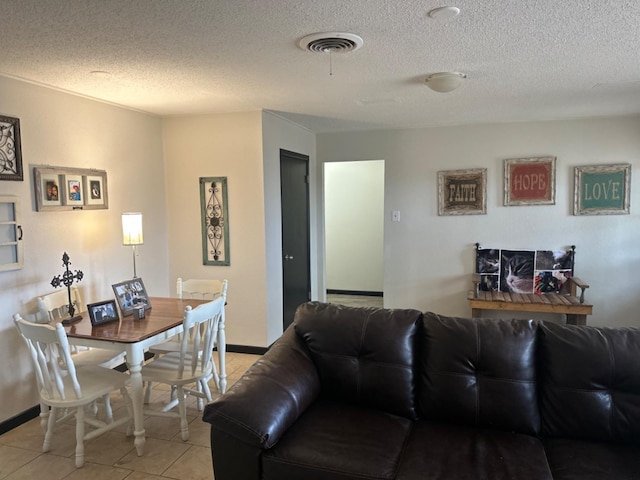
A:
<point x="133" y="336"/>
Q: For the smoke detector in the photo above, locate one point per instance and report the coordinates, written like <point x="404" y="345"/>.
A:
<point x="331" y="42"/>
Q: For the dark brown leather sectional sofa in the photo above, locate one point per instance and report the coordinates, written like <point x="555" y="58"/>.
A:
<point x="359" y="393"/>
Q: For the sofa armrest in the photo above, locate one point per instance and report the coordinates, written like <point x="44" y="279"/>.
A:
<point x="269" y="398"/>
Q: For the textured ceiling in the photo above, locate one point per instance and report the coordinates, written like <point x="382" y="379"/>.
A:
<point x="525" y="59"/>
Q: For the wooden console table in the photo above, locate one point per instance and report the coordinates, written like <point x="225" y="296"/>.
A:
<point x="570" y="304"/>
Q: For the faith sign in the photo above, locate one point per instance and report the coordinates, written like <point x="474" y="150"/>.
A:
<point x="462" y="192"/>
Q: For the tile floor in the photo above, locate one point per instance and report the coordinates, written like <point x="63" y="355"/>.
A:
<point x="112" y="456"/>
<point x="355" y="300"/>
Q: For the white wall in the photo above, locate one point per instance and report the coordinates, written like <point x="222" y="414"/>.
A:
<point x="245" y="148"/>
<point x="227" y="145"/>
<point x="429" y="259"/>
<point x="279" y="133"/>
<point x="64" y="130"/>
<point x="354" y="220"/>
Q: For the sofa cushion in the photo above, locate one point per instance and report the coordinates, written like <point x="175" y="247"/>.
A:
<point x="364" y="356"/>
<point x="337" y="441"/>
<point x="590" y="383"/>
<point x="580" y="460"/>
<point x="480" y="372"/>
<point x="442" y="451"/>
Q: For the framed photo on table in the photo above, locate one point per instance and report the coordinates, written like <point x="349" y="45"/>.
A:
<point x="602" y="189"/>
<point x="131" y="295"/>
<point x="103" y="312"/>
<point x="530" y="181"/>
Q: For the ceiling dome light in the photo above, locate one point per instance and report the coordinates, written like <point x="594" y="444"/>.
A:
<point x="444" y="13"/>
<point x="445" y="82"/>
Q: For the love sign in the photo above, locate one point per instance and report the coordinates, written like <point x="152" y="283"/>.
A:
<point x="602" y="189"/>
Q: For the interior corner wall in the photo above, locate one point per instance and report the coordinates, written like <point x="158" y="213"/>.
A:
<point x="354" y="220"/>
<point x="221" y="145"/>
<point x="279" y="133"/>
<point x="64" y="130"/>
<point x="429" y="259"/>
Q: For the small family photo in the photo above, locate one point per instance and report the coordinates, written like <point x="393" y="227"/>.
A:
<point x="103" y="312"/>
<point x="94" y="186"/>
<point x="52" y="190"/>
<point x="130" y="295"/>
<point x="74" y="191"/>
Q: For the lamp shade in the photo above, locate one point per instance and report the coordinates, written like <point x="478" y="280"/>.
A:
<point x="132" y="228"/>
<point x="445" y="82"/>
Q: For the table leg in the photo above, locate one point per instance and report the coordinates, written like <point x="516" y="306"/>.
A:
<point x="222" y="348"/>
<point x="135" y="359"/>
<point x="476" y="313"/>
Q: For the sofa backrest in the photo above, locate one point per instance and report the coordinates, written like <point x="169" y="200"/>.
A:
<point x="364" y="356"/>
<point x="479" y="372"/>
<point x="590" y="382"/>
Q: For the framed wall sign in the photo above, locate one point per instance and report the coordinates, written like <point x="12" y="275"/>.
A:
<point x="61" y="188"/>
<point x="530" y="181"/>
<point x="462" y="192"/>
<point x="103" y="312"/>
<point x="10" y="149"/>
<point x="602" y="189"/>
<point x="215" y="221"/>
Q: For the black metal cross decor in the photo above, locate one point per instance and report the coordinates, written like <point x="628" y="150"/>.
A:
<point x="67" y="279"/>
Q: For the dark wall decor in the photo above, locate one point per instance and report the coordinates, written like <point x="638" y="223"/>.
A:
<point x="602" y="189"/>
<point x="462" y="192"/>
<point x="62" y="188"/>
<point x="10" y="149"/>
<point x="215" y="221"/>
<point x="530" y="181"/>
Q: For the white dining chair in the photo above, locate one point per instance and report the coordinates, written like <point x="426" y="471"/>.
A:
<point x="191" y="365"/>
<point x="203" y="289"/>
<point x="199" y="289"/>
<point x="64" y="387"/>
<point x="55" y="306"/>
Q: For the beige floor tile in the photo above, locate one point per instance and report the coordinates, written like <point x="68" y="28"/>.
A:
<point x="55" y="468"/>
<point x="112" y="455"/>
<point x="108" y="448"/>
<point x="195" y="464"/>
<point x="162" y="428"/>
<point x="30" y="436"/>
<point x="199" y="433"/>
<point x="158" y="456"/>
<point x="144" y="476"/>
<point x="11" y="459"/>
<point x="98" y="472"/>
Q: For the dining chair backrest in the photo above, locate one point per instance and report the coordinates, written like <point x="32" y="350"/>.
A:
<point x="196" y="346"/>
<point x="54" y="367"/>
<point x="203" y="289"/>
<point x="56" y="305"/>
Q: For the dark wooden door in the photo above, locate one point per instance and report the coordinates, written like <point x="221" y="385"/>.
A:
<point x="296" y="278"/>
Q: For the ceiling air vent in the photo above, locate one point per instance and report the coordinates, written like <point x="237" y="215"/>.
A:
<point x="331" y="42"/>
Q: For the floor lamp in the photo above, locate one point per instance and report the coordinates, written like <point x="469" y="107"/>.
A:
<point x="132" y="233"/>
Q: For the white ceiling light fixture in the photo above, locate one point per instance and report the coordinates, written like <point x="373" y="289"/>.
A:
<point x="444" y="82"/>
<point x="444" y="13"/>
